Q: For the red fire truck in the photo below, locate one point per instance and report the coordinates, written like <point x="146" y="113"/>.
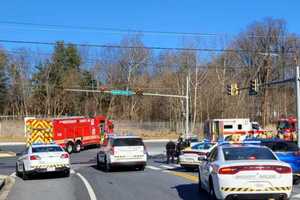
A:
<point x="72" y="133"/>
<point x="286" y="128"/>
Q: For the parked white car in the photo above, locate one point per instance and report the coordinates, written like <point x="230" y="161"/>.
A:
<point x="42" y="158"/>
<point x="122" y="151"/>
<point x="238" y="171"/>
<point x="189" y="158"/>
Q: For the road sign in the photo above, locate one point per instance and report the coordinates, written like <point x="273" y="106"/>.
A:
<point x="122" y="92"/>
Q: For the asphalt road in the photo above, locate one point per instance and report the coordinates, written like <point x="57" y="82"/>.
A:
<point x="158" y="181"/>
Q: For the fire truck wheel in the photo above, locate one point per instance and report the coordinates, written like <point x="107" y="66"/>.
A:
<point x="69" y="147"/>
<point x="77" y="147"/>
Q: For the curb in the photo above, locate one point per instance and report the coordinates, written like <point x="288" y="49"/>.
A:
<point x="6" y="186"/>
<point x="2" y="183"/>
<point x="7" y="154"/>
<point x="23" y="143"/>
<point x="159" y="140"/>
<point x="11" y="143"/>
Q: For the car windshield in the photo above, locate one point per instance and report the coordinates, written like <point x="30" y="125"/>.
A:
<point x="202" y="146"/>
<point x="128" y="142"/>
<point x="247" y="153"/>
<point x="46" y="149"/>
<point x="282" y="146"/>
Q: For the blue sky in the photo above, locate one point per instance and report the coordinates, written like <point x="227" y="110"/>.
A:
<point x="213" y="16"/>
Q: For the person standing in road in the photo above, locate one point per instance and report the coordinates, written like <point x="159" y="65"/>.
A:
<point x="170" y="148"/>
<point x="179" y="148"/>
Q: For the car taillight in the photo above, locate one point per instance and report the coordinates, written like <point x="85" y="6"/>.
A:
<point x="34" y="157"/>
<point x="282" y="169"/>
<point x="228" y="170"/>
<point x="65" y="155"/>
<point x="235" y="169"/>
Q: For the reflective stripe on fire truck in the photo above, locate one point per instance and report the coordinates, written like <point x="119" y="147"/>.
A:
<point x="39" y="131"/>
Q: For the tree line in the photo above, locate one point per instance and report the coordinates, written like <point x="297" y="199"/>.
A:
<point x="265" y="50"/>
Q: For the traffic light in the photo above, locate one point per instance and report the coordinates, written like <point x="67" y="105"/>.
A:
<point x="232" y="90"/>
<point x="103" y="88"/>
<point x="139" y="91"/>
<point x="228" y="90"/>
<point x="235" y="89"/>
<point x="253" y="89"/>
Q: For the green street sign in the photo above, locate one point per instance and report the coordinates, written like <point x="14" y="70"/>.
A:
<point x="122" y="92"/>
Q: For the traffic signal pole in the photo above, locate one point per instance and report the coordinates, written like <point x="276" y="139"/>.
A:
<point x="297" y="79"/>
<point x="187" y="113"/>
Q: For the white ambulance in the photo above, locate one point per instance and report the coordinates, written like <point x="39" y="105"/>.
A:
<point x="231" y="129"/>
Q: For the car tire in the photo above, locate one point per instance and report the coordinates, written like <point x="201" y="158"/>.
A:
<point x="98" y="163"/>
<point x="67" y="173"/>
<point x="141" y="168"/>
<point x="17" y="171"/>
<point x="69" y="147"/>
<point x="212" y="193"/>
<point x="200" y="188"/>
<point x="107" y="166"/>
<point x="25" y="176"/>
<point x="77" y="147"/>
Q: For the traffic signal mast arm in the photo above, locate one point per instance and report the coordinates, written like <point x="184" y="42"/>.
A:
<point x="126" y="93"/>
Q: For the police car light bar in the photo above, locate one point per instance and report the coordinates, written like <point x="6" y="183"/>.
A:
<point x="241" y="142"/>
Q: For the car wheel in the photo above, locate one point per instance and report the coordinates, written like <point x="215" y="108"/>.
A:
<point x="200" y="188"/>
<point x="77" y="147"/>
<point x="107" y="166"/>
<point x="98" y="163"/>
<point x="212" y="193"/>
<point x="142" y="167"/>
<point x="25" y="176"/>
<point x="69" y="148"/>
<point x="67" y="173"/>
<point x="17" y="171"/>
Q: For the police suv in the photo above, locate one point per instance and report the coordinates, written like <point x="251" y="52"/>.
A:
<point x="42" y="158"/>
<point x="239" y="171"/>
<point x="122" y="151"/>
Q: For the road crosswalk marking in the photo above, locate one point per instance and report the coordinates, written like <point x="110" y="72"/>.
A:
<point x="152" y="167"/>
<point x="167" y="167"/>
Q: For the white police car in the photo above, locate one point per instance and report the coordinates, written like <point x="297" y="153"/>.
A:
<point x="189" y="158"/>
<point x="122" y="151"/>
<point x="42" y="158"/>
<point x="238" y="171"/>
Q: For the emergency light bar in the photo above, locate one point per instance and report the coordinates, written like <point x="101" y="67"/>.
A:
<point x="242" y="142"/>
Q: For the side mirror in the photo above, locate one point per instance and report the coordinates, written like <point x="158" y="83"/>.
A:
<point x="18" y="154"/>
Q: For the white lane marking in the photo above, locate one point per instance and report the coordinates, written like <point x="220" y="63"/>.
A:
<point x="167" y="166"/>
<point x="13" y="175"/>
<point x="88" y="187"/>
<point x="72" y="171"/>
<point x="152" y="167"/>
<point x="295" y="196"/>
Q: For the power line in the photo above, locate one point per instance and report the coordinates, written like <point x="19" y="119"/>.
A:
<point x="138" y="47"/>
<point x="119" y="30"/>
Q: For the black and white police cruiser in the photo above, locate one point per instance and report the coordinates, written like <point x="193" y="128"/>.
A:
<point x="42" y="158"/>
<point x="245" y="171"/>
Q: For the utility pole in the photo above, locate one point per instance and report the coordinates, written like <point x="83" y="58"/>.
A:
<point x="297" y="79"/>
<point x="187" y="108"/>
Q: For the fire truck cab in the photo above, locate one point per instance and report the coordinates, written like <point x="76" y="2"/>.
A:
<point x="286" y="128"/>
<point x="230" y="129"/>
